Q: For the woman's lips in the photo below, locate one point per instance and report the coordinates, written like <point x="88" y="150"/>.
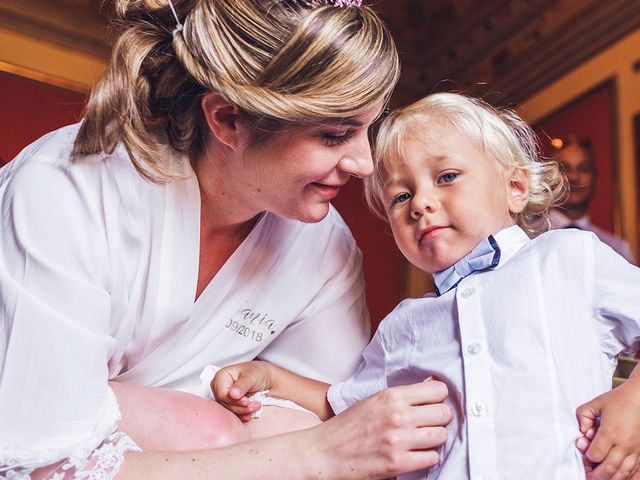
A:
<point x="327" y="191"/>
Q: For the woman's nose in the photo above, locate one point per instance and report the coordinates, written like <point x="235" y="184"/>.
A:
<point x="358" y="162"/>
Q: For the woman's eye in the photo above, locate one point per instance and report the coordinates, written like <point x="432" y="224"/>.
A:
<point x="448" y="177"/>
<point x="401" y="198"/>
<point x="340" y="138"/>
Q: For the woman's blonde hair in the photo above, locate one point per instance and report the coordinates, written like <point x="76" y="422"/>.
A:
<point x="280" y="61"/>
<point x="500" y="133"/>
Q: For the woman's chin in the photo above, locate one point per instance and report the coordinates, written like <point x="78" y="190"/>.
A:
<point x="313" y="214"/>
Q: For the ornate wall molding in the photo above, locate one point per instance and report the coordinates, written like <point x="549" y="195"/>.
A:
<point x="73" y="24"/>
<point x="507" y="49"/>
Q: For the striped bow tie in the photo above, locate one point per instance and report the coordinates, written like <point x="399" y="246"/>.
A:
<point x="484" y="256"/>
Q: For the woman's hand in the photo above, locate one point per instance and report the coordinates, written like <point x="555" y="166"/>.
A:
<point x="614" y="451"/>
<point x="395" y="431"/>
<point x="232" y="386"/>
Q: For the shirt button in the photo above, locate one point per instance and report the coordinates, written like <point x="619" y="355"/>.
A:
<point x="474" y="348"/>
<point x="467" y="292"/>
<point x="478" y="409"/>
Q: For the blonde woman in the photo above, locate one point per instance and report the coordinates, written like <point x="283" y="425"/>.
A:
<point x="186" y="222"/>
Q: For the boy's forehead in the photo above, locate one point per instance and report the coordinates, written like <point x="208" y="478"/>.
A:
<point x="422" y="126"/>
<point x="424" y="136"/>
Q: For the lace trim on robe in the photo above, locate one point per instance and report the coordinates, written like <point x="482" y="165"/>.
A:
<point x="103" y="463"/>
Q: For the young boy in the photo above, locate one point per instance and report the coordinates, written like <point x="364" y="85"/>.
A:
<point x="522" y="330"/>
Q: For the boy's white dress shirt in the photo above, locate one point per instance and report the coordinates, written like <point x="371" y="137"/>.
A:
<point x="520" y="347"/>
<point x="620" y="245"/>
<point x="98" y="271"/>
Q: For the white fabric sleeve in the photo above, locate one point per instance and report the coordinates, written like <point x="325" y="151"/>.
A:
<point x="369" y="379"/>
<point x="327" y="339"/>
<point x="616" y="298"/>
<point x="55" y="341"/>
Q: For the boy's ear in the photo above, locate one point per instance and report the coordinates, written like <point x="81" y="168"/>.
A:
<point x="518" y="189"/>
<point x="222" y="118"/>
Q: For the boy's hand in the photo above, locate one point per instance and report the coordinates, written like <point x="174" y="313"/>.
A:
<point x="614" y="452"/>
<point x="232" y="385"/>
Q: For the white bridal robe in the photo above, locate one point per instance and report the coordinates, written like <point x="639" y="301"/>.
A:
<point x="98" y="271"/>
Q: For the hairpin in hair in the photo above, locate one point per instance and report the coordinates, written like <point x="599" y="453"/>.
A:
<point x="347" y="3"/>
<point x="179" y="25"/>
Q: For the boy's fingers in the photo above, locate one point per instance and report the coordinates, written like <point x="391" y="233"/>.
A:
<point x="627" y="469"/>
<point x="221" y="383"/>
<point x="598" y="450"/>
<point x="635" y="471"/>
<point x="248" y="409"/>
<point x="243" y="385"/>
<point x="607" y="464"/>
<point x="238" y="402"/>
<point x="587" y="415"/>
<point x="586" y="418"/>
<point x="588" y="466"/>
<point x="582" y="444"/>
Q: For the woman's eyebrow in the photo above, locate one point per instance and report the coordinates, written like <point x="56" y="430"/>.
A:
<point x="344" y="122"/>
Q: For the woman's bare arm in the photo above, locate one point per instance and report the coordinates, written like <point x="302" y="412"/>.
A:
<point x="392" y="432"/>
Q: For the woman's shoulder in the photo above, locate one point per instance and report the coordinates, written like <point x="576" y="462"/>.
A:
<point x="56" y="145"/>
<point x="45" y="180"/>
<point x="48" y="164"/>
<point x="39" y="170"/>
<point x="52" y="151"/>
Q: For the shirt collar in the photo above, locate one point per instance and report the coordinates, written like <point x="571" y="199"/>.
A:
<point x="488" y="254"/>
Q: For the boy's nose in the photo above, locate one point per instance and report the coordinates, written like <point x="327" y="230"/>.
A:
<point x="421" y="204"/>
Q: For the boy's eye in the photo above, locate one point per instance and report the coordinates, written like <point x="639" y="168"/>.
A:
<point x="448" y="177"/>
<point x="337" y="138"/>
<point x="401" y="198"/>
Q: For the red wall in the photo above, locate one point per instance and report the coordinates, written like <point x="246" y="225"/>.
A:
<point x="30" y="109"/>
<point x="383" y="262"/>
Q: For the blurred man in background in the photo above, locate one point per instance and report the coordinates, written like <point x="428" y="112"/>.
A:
<point x="578" y="164"/>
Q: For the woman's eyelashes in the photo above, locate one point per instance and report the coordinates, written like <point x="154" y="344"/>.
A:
<point x="337" y="137"/>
